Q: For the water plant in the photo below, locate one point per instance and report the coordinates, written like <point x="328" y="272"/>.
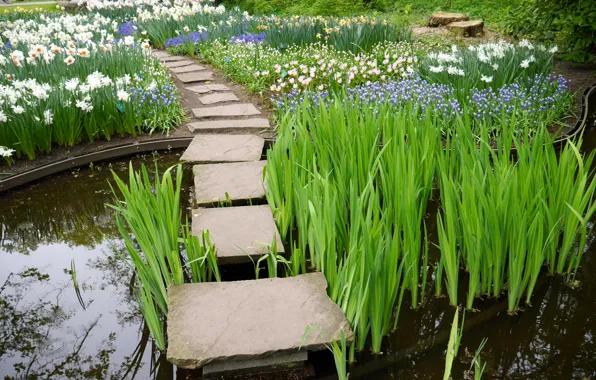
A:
<point x="149" y="219"/>
<point x="365" y="178"/>
<point x="489" y="195"/>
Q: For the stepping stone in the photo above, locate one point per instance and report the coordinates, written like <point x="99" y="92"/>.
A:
<point x="197" y="76"/>
<point x="220" y="97"/>
<point x="178" y="63"/>
<point x="160" y="54"/>
<point x="467" y="28"/>
<point x="217" y="87"/>
<point x="224" y="148"/>
<point x="278" y="363"/>
<point x="201" y="89"/>
<point x="242" y="109"/>
<point x="187" y="69"/>
<point x="241" y="180"/>
<point x="229" y="125"/>
<point x="444" y="18"/>
<point x="239" y="233"/>
<point x="172" y="58"/>
<point x="216" y="322"/>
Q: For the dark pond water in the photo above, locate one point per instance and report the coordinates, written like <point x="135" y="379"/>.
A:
<point x="47" y="334"/>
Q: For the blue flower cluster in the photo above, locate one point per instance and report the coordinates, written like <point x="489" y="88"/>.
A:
<point x="437" y="98"/>
<point x="128" y="29"/>
<point x="248" y="38"/>
<point x="529" y="96"/>
<point x="192" y="38"/>
<point x="160" y="96"/>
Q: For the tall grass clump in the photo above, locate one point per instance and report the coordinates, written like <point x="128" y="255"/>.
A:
<point x="354" y="183"/>
<point x="508" y="215"/>
<point x="148" y="216"/>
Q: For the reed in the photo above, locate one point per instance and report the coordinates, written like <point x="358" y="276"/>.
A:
<point x="505" y="217"/>
<point x="148" y="216"/>
<point x="349" y="189"/>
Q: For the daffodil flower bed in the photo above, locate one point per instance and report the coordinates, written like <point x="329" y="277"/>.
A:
<point x="65" y="79"/>
<point x="316" y="66"/>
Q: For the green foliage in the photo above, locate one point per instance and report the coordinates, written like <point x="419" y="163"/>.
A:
<point x="505" y="218"/>
<point x="569" y="23"/>
<point x="149" y="220"/>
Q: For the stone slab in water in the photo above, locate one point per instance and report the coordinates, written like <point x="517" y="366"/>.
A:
<point x="242" y="109"/>
<point x="220" y="97"/>
<point x="241" y="180"/>
<point x="242" y="320"/>
<point x="467" y="28"/>
<point x="197" y="76"/>
<point x="178" y="63"/>
<point x="187" y="69"/>
<point x="201" y="89"/>
<point x="239" y="233"/>
<point x="258" y="124"/>
<point x="224" y="148"/>
<point x="444" y="18"/>
<point x="276" y="363"/>
<point x="172" y="58"/>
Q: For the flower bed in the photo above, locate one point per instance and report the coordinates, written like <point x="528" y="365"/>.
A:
<point x="54" y="90"/>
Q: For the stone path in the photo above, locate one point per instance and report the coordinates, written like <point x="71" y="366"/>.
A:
<point x="243" y="324"/>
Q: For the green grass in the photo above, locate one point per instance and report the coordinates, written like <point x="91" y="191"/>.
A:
<point x="51" y="7"/>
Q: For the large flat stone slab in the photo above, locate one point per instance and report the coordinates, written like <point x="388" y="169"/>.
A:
<point x="172" y="58"/>
<point x="229" y="125"/>
<point x="187" y="69"/>
<point x="224" y="148"/>
<point x="200" y="89"/>
<point x="178" y="63"/>
<point x="218" y="97"/>
<point x="242" y="109"/>
<point x="217" y="87"/>
<point x="241" y="180"/>
<point x="239" y="233"/>
<point x="196" y="76"/>
<point x="277" y="363"/>
<point x="216" y="322"/>
<point x="160" y="53"/>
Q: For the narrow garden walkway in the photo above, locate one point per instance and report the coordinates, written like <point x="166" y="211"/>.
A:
<point x="232" y="326"/>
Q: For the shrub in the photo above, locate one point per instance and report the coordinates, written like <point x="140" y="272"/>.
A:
<point x="569" y="23"/>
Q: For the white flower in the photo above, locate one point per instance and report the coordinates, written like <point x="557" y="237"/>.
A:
<point x="4" y="151"/>
<point x="129" y="40"/>
<point x="553" y="50"/>
<point x="526" y="44"/>
<point x="3" y="117"/>
<point x="69" y="60"/>
<point x="18" y="110"/>
<point x="85" y="106"/>
<point x="123" y="96"/>
<point x="525" y="63"/>
<point x="48" y="117"/>
<point x="72" y="84"/>
<point x="495" y="66"/>
<point x="486" y="79"/>
<point x="436" y="69"/>
<point x="452" y="70"/>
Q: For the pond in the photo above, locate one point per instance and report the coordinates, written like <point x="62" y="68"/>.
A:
<point x="48" y="332"/>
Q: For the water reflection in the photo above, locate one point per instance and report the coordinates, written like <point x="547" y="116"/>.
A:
<point x="45" y="332"/>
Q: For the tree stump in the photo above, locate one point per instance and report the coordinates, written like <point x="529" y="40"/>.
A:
<point x="467" y="28"/>
<point x="444" y="18"/>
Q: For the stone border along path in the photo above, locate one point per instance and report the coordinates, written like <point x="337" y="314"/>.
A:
<point x="243" y="325"/>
